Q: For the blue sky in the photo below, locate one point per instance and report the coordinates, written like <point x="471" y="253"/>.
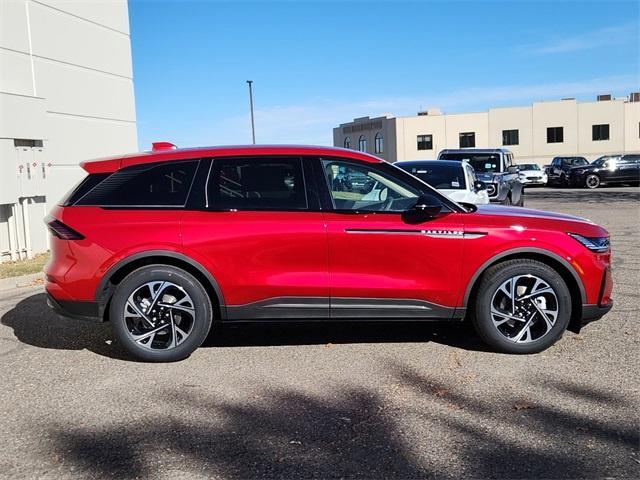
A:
<point x="318" y="64"/>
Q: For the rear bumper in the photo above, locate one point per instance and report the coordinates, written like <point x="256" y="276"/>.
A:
<point x="595" y="312"/>
<point x="86" y="311"/>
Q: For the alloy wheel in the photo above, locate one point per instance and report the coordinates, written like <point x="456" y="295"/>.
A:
<point x="524" y="308"/>
<point x="592" y="181"/>
<point x="159" y="315"/>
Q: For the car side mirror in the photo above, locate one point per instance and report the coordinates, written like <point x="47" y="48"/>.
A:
<point x="479" y="186"/>
<point x="512" y="169"/>
<point x="427" y="205"/>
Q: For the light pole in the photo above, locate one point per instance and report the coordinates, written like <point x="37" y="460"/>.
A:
<point x="253" y="127"/>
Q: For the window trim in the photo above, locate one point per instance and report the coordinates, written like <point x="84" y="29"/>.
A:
<point x="346" y="143"/>
<point x="311" y="196"/>
<point x="362" y="139"/>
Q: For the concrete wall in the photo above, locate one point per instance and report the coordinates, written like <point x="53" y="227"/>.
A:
<point x="65" y="79"/>
<point x="576" y="119"/>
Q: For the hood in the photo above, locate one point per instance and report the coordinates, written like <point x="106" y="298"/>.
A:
<point x="501" y="210"/>
<point x="532" y="172"/>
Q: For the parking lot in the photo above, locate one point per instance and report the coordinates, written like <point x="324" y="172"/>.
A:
<point x="367" y="401"/>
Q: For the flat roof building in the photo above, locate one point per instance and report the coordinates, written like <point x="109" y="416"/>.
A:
<point x="66" y="95"/>
<point x="535" y="134"/>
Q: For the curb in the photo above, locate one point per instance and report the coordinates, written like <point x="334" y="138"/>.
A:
<point x="21" y="281"/>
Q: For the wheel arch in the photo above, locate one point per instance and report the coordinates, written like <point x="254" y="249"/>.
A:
<point x="124" y="267"/>
<point x="559" y="264"/>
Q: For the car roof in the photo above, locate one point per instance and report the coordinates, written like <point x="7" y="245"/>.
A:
<point x="111" y="164"/>
<point x="475" y="150"/>
<point x="418" y="163"/>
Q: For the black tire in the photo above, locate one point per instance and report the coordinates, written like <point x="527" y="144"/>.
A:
<point x="199" y="322"/>
<point x="521" y="199"/>
<point x="563" y="181"/>
<point x="491" y="334"/>
<point x="592" y="181"/>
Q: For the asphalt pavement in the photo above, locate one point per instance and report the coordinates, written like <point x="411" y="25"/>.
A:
<point x="331" y="401"/>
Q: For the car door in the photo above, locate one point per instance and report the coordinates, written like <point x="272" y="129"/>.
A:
<point x="261" y="235"/>
<point x="383" y="261"/>
<point x="626" y="170"/>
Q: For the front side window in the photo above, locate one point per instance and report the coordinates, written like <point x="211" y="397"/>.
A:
<point x="362" y="143"/>
<point x="256" y="184"/>
<point x="150" y="185"/>
<point x="467" y="139"/>
<point x="555" y="134"/>
<point x="379" y="143"/>
<point x="425" y="142"/>
<point x="347" y="142"/>
<point x="510" y="137"/>
<point x="600" y="132"/>
<point x="364" y="188"/>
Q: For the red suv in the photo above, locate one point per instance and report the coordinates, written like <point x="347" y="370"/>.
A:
<point x="165" y="243"/>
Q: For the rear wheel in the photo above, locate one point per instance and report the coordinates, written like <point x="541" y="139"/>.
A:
<point x="161" y="313"/>
<point x="592" y="181"/>
<point x="522" y="306"/>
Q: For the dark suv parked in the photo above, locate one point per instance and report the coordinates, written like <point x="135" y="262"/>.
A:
<point x="559" y="171"/>
<point x="607" y="170"/>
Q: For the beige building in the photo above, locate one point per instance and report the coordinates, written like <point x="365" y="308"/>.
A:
<point x="536" y="133"/>
<point x="66" y="95"/>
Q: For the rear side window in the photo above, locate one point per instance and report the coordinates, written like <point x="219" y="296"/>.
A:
<point x="256" y="184"/>
<point x="155" y="185"/>
<point x="82" y="188"/>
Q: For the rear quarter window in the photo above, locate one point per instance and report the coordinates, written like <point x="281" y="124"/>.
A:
<point x="151" y="185"/>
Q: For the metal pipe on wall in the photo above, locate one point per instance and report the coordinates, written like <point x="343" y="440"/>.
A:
<point x="27" y="226"/>
<point x="11" y="223"/>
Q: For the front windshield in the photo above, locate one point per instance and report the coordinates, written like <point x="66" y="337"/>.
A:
<point x="439" y="176"/>
<point x="528" y="166"/>
<point x="575" y="161"/>
<point x="481" y="162"/>
<point x="600" y="162"/>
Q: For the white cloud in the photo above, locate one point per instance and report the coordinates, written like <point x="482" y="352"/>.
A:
<point x="313" y="122"/>
<point x="604" y="37"/>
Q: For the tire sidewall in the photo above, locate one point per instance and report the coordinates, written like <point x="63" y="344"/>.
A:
<point x="199" y="296"/>
<point x="484" y="325"/>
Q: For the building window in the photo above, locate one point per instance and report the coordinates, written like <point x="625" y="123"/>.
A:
<point x="379" y="145"/>
<point x="347" y="142"/>
<point x="510" y="137"/>
<point x="362" y="143"/>
<point x="467" y="139"/>
<point x="23" y="142"/>
<point x="425" y="142"/>
<point x="600" y="132"/>
<point x="555" y="135"/>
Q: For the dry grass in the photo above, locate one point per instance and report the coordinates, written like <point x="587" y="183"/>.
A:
<point x="23" y="267"/>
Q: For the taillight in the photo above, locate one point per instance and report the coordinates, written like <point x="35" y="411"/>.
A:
<point x="62" y="231"/>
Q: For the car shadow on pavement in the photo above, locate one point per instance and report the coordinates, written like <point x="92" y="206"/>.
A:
<point x="424" y="427"/>
<point x="34" y="323"/>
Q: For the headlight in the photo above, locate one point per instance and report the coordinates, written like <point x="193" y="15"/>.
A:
<point x="595" y="244"/>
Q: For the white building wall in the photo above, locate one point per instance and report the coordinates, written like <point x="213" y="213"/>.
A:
<point x="65" y="79"/>
<point x="575" y="118"/>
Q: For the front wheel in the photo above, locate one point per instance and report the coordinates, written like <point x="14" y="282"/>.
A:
<point x="592" y="181"/>
<point x="522" y="306"/>
<point x="161" y="313"/>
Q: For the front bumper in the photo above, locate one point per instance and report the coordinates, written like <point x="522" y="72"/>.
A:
<point x="86" y="311"/>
